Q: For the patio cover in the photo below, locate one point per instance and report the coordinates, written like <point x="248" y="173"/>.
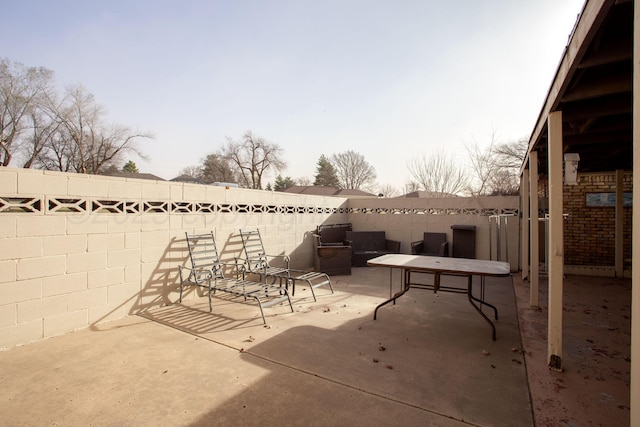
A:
<point x="590" y="110"/>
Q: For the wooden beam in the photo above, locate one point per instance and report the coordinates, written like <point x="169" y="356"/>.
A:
<point x="619" y="224"/>
<point x="635" y="234"/>
<point x="526" y="219"/>
<point x="534" y="227"/>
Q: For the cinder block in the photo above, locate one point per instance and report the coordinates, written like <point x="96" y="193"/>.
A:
<point x="132" y="274"/>
<point x="66" y="322"/>
<point x="8" y="315"/>
<point x="190" y="222"/>
<point x="125" y="295"/>
<point x="154" y="254"/>
<point x="108" y="277"/>
<point x="62" y="245"/>
<point x="156" y="191"/>
<point x="41" y="308"/>
<point x="64" y="284"/>
<point x="86" y="262"/>
<point x="86" y="299"/>
<point x="41" y="225"/>
<point x="87" y="224"/>
<point x="24" y="290"/>
<point x="22" y="333"/>
<point x="8" y="271"/>
<point x="125" y="224"/>
<point x="97" y="243"/>
<point x="106" y="313"/>
<point x="45" y="183"/>
<point x="155" y="222"/>
<point x="132" y="241"/>
<point x="123" y="258"/>
<point x="21" y="247"/>
<point x="106" y="242"/>
<point x="121" y="189"/>
<point x="87" y="186"/>
<point x="194" y="192"/>
<point x="8" y="228"/>
<point x="31" y="268"/>
<point x="154" y="238"/>
<point x="9" y="181"/>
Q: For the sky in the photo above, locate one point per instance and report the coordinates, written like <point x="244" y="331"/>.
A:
<point x="392" y="80"/>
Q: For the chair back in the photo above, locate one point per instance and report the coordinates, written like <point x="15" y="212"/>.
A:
<point x="203" y="254"/>
<point x="367" y="240"/>
<point x="433" y="242"/>
<point x="333" y="234"/>
<point x="255" y="255"/>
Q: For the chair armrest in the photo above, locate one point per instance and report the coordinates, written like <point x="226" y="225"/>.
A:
<point x="392" y="245"/>
<point x="285" y="258"/>
<point x="444" y="249"/>
<point x="416" y="247"/>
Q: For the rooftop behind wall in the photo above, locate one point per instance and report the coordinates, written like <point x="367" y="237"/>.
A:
<point x="77" y="250"/>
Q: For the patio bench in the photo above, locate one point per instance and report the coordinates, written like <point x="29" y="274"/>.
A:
<point x="206" y="271"/>
<point x="370" y="244"/>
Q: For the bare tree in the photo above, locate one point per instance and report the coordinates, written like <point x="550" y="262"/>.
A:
<point x="192" y="171"/>
<point x="388" y="191"/>
<point x="495" y="168"/>
<point x="303" y="181"/>
<point x="20" y="91"/>
<point x="83" y="142"/>
<point x="410" y="187"/>
<point x="483" y="168"/>
<point x="43" y="130"/>
<point x="438" y="174"/>
<point x="253" y="156"/>
<point x="353" y="171"/>
<point x="512" y="154"/>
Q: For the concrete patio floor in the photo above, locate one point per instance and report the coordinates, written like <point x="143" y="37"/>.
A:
<point x="427" y="360"/>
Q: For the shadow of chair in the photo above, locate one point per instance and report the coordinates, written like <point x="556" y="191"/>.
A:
<point x="432" y="244"/>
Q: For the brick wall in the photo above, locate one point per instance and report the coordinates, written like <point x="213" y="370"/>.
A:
<point x="589" y="231"/>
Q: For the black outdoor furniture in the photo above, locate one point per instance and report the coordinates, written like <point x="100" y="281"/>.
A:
<point x="331" y="252"/>
<point x="432" y="244"/>
<point x="370" y="244"/>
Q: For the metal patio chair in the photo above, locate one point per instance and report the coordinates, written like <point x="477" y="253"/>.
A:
<point x="256" y="261"/>
<point x="206" y="271"/>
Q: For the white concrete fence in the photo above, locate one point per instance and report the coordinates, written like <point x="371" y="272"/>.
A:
<point x="77" y="250"/>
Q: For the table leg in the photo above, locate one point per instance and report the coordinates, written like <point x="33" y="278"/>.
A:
<point x="481" y="300"/>
<point x="472" y="298"/>
<point x="394" y="297"/>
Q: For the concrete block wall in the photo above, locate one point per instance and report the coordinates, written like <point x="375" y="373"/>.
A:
<point x="406" y="219"/>
<point x="77" y="250"/>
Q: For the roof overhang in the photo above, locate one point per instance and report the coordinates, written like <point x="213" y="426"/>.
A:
<point x="593" y="87"/>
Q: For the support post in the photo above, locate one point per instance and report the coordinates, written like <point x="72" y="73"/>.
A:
<point x="534" y="227"/>
<point x="556" y="241"/>
<point x="635" y="234"/>
<point x="524" y="262"/>
<point x="619" y="224"/>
